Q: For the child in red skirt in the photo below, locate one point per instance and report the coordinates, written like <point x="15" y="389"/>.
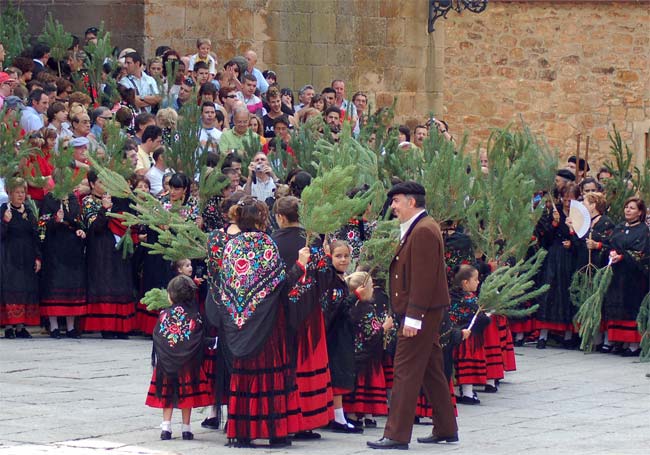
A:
<point x="469" y="355"/>
<point x="369" y="397"/>
<point x="178" y="379"/>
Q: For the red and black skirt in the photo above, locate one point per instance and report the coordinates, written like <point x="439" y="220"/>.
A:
<point x="111" y="317"/>
<point x="492" y="347"/>
<point x="622" y="331"/>
<point x="313" y="374"/>
<point x="145" y="320"/>
<point x="507" y="344"/>
<point x="423" y="408"/>
<point x="264" y="401"/>
<point x="389" y="371"/>
<point x="189" y="393"/>
<point x="469" y="363"/>
<point x="369" y="395"/>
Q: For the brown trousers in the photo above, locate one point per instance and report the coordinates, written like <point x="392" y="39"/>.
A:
<point x="418" y="364"/>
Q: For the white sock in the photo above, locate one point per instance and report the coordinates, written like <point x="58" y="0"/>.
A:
<point x="54" y="323"/>
<point x="213" y="412"/>
<point x="457" y="390"/>
<point x="368" y="416"/>
<point x="339" y="416"/>
<point x="543" y="334"/>
<point x="634" y="346"/>
<point x="69" y="323"/>
<point x="166" y="425"/>
<point x="491" y="382"/>
<point x="519" y="336"/>
<point x="568" y="334"/>
<point x="467" y="390"/>
<point x="185" y="428"/>
<point x="605" y="339"/>
<point x="224" y="414"/>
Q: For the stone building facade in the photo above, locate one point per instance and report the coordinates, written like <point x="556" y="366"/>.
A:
<point x="565" y="67"/>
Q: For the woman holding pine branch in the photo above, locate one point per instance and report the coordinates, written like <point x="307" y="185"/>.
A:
<point x="629" y="253"/>
<point x="555" y="311"/>
<point x="111" y="299"/>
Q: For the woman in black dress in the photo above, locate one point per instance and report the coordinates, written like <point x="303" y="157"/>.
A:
<point x="555" y="311"/>
<point x="21" y="263"/>
<point x="629" y="250"/>
<point x="111" y="296"/>
<point x="63" y="278"/>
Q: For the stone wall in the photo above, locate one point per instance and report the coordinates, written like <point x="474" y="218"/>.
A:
<point x="381" y="47"/>
<point x="566" y="67"/>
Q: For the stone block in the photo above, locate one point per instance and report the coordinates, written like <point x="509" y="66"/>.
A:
<point x="345" y="29"/>
<point x="240" y="23"/>
<point x="302" y="75"/>
<point x="340" y="55"/>
<point x="415" y="31"/>
<point x="274" y="53"/>
<point x="371" y="31"/>
<point x="322" y="76"/>
<point x="314" y="54"/>
<point x="395" y="31"/>
<point x="288" y="26"/>
<point x="323" y="28"/>
<point x="390" y="8"/>
<point x="626" y="76"/>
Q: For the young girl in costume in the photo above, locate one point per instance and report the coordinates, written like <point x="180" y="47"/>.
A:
<point x="178" y="379"/>
<point x="369" y="397"/>
<point x="469" y="355"/>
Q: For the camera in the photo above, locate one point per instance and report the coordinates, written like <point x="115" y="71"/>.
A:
<point x="259" y="167"/>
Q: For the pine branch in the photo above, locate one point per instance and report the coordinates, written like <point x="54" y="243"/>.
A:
<point x="589" y="313"/>
<point x="211" y="183"/>
<point x="55" y="36"/>
<point x="64" y="173"/>
<point x="620" y="186"/>
<point x="156" y="299"/>
<point x="643" y="324"/>
<point x="377" y="252"/>
<point x="509" y="286"/>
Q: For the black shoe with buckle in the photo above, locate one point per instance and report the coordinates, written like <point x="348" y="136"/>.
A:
<point x="10" y="334"/>
<point x="165" y="435"/>
<point x="490" y="389"/>
<point x="74" y="333"/>
<point x="468" y="400"/>
<point x="389" y="444"/>
<point x="435" y="439"/>
<point x="370" y="423"/>
<point x="188" y="435"/>
<point x="23" y="333"/>
<point x="518" y="343"/>
<point x="630" y="353"/>
<point x="56" y="334"/>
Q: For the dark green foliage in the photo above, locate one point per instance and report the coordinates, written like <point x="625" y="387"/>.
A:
<point x="643" y="323"/>
<point x="156" y="299"/>
<point x="96" y="55"/>
<point x="211" y="183"/>
<point x="13" y="31"/>
<point x="620" y="186"/>
<point x="55" y="36"/>
<point x="589" y="312"/>
<point x="378" y="251"/>
<point x="64" y="173"/>
<point x="509" y="286"/>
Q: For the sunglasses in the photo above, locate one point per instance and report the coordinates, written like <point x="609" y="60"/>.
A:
<point x="231" y="96"/>
<point x="106" y="118"/>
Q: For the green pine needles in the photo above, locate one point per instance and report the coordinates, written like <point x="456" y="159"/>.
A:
<point x="509" y="286"/>
<point x="590" y="309"/>
<point x="643" y="324"/>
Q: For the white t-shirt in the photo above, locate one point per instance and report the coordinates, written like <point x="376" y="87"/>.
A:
<point x="208" y="137"/>
<point x="263" y="190"/>
<point x="155" y="177"/>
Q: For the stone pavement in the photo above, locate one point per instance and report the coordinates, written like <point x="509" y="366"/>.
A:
<point x="78" y="397"/>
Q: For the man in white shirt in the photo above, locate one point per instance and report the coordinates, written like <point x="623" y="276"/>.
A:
<point x="32" y="116"/>
<point x="156" y="173"/>
<point x="145" y="86"/>
<point x="305" y="95"/>
<point x="251" y="58"/>
<point x="261" y="180"/>
<point x="209" y="135"/>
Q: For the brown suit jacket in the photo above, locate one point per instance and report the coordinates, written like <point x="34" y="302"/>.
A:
<point x="418" y="279"/>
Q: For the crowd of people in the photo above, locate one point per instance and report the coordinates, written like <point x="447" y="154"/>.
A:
<point x="285" y="334"/>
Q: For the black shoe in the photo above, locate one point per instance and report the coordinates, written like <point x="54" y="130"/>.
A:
<point x="571" y="344"/>
<point x="434" y="439"/>
<point x="385" y="443"/>
<point x="240" y="443"/>
<point x="278" y="443"/>
<point x="541" y="344"/>
<point x="618" y="349"/>
<point x="518" y="343"/>
<point x="10" y="334"/>
<point x="73" y="334"/>
<point x="468" y="400"/>
<point x="122" y="336"/>
<point x="108" y="335"/>
<point x="630" y="353"/>
<point x="416" y="420"/>
<point x="23" y="333"/>
<point x="188" y="435"/>
<point x="490" y="389"/>
<point x="165" y="435"/>
<point x="357" y="423"/>
<point x="56" y="334"/>
<point x="370" y="423"/>
<point x="344" y="428"/>
<point x="211" y="423"/>
<point x="306" y="435"/>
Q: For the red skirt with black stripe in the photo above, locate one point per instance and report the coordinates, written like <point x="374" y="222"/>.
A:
<point x="507" y="345"/>
<point x="524" y="325"/>
<point x="553" y="326"/>
<point x="191" y="394"/>
<point x="389" y="373"/>
<point x="492" y="348"/>
<point x="145" y="320"/>
<point x="622" y="331"/>
<point x="110" y="317"/>
<point x="469" y="363"/>
<point x="369" y="396"/>
<point x="264" y="401"/>
<point x="423" y="408"/>
<point x="27" y="314"/>
<point x="64" y="302"/>
<point x="313" y="374"/>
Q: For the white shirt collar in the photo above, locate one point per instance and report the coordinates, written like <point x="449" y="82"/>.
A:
<point x="404" y="227"/>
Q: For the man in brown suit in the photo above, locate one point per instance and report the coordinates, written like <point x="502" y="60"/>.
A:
<point x="419" y="296"/>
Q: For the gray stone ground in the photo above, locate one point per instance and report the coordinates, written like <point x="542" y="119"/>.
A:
<point x="87" y="396"/>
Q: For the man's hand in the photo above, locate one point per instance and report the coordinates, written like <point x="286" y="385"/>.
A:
<point x="409" y="332"/>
